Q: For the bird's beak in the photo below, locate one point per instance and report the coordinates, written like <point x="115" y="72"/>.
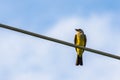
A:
<point x="77" y="29"/>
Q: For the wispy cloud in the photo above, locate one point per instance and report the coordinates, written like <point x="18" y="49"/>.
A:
<point x="30" y="58"/>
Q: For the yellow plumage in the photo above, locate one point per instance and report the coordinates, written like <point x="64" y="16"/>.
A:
<point x="80" y="40"/>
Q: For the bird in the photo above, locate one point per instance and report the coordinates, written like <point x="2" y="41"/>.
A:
<point x="79" y="40"/>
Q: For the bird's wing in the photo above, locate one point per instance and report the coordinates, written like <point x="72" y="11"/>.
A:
<point x="85" y="40"/>
<point x="75" y="40"/>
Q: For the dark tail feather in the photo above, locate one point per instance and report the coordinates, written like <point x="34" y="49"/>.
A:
<point x="79" y="61"/>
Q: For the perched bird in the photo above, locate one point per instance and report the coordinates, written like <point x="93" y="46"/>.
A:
<point x="80" y="40"/>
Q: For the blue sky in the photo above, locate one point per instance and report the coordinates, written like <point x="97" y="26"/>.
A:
<point x="23" y="57"/>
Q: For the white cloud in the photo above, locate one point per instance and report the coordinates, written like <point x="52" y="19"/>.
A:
<point x="33" y="76"/>
<point x="29" y="57"/>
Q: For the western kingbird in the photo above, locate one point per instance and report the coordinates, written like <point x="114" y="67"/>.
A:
<point x="80" y="40"/>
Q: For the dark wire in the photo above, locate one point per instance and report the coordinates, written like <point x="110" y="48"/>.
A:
<point x="59" y="41"/>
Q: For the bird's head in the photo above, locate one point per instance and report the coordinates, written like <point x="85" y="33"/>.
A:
<point x="79" y="30"/>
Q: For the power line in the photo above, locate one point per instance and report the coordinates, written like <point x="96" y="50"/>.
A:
<point x="59" y="41"/>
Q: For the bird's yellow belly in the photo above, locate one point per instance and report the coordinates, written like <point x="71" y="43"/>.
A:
<point x="80" y="43"/>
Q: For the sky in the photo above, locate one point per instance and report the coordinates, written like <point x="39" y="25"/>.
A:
<point x="23" y="57"/>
